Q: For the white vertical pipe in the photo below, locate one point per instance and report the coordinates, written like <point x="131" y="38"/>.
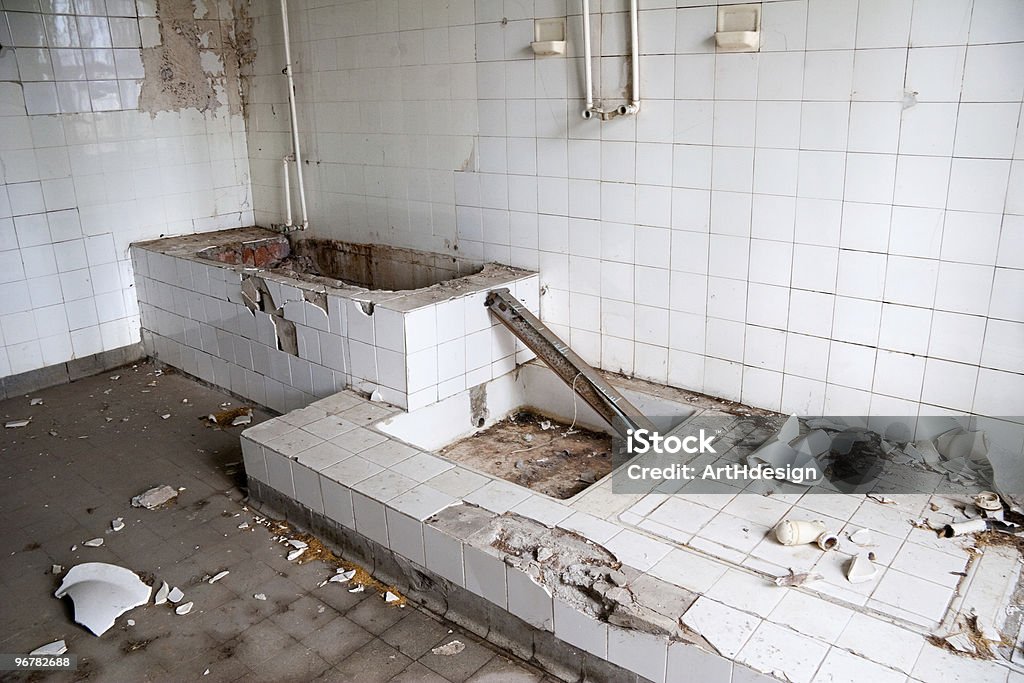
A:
<point x="287" y="193"/>
<point x="296" y="151"/>
<point x="588" y="68"/>
<point x="634" y="22"/>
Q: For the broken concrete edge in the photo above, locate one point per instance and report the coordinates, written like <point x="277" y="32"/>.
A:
<point x="193" y="247"/>
<point x="481" y="616"/>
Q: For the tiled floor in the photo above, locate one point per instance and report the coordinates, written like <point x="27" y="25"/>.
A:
<point x="918" y="574"/>
<point x="94" y="444"/>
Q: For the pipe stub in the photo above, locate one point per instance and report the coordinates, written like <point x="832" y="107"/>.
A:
<point x="827" y="541"/>
<point x="587" y="114"/>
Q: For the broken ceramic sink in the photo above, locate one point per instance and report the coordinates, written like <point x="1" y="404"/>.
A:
<point x="101" y="593"/>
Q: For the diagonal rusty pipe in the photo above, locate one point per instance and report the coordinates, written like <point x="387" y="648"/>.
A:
<point x="573" y="370"/>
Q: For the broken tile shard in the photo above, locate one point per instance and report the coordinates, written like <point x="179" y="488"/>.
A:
<point x="57" y="647"/>
<point x="295" y="554"/>
<point x="117" y="524"/>
<point x="161" y="594"/>
<point x="218" y="576"/>
<point x="260" y="596"/>
<point x="449" y="649"/>
<point x="102" y="592"/>
<point x="15" y="424"/>
<point x="797" y="578"/>
<point x="36" y="402"/>
<point x="183" y="609"/>
<point x="93" y="542"/>
<point x="175" y="595"/>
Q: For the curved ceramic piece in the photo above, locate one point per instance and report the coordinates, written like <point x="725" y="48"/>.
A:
<point x="101" y="593"/>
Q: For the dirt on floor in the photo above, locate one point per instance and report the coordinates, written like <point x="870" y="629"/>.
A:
<point x="537" y="451"/>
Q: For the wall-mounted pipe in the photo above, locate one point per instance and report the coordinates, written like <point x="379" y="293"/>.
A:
<point x="296" y="150"/>
<point x="287" y="191"/>
<point x="633" y="106"/>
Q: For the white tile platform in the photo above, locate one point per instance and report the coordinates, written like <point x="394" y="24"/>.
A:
<point x="735" y="618"/>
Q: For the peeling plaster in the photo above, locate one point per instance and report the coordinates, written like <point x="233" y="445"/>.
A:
<point x="202" y="47"/>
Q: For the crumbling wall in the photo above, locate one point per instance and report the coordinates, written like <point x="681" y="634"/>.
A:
<point x="203" y="46"/>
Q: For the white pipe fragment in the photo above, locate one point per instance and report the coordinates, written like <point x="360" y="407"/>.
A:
<point x="799" y="532"/>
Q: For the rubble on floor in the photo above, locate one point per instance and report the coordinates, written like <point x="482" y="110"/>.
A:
<point x="155" y="497"/>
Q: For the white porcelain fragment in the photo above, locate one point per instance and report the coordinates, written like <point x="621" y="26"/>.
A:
<point x="295" y="543"/>
<point x="161" y="594"/>
<point x="449" y="649"/>
<point x="56" y="569"/>
<point x="57" y="647"/>
<point x="862" y="537"/>
<point x="131" y="622"/>
<point x="295" y="554"/>
<point x="175" y="595"/>
<point x="36" y="402"/>
<point x="15" y="424"/>
<point x="342" y="576"/>
<point x="165" y="416"/>
<point x="154" y="497"/>
<point x="358" y="589"/>
<point x="117" y="524"/>
<point x="102" y="592"/>
<point x="218" y="576"/>
<point x="93" y="543"/>
<point x="861" y="569"/>
<point x="260" y="596"/>
<point x="183" y="609"/>
<point x="390" y="597"/>
<point x="241" y="420"/>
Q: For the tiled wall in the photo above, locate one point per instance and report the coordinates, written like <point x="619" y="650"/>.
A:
<point x="79" y="182"/>
<point x="835" y="223"/>
<point x="386" y="116"/>
<point x="78" y="57"/>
